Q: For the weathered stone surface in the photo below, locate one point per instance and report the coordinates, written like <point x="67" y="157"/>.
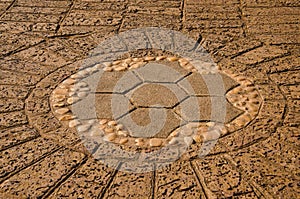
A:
<point x="126" y="185"/>
<point x="260" y="54"/>
<point x="12" y="119"/>
<point x="17" y="135"/>
<point x="22" y="156"/>
<point x="90" y="181"/>
<point x="41" y="42"/>
<point x="177" y="180"/>
<point x="9" y="105"/>
<point x="32" y="182"/>
<point x="222" y="178"/>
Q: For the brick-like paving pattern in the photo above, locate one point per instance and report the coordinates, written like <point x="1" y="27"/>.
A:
<point x="44" y="43"/>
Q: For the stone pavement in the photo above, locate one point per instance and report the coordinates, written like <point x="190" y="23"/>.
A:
<point x="255" y="44"/>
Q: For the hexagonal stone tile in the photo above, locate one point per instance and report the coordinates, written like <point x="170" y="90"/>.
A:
<point x="112" y="106"/>
<point x="161" y="72"/>
<point x="151" y="122"/>
<point x="157" y="95"/>
<point x="116" y="81"/>
<point x="201" y="109"/>
<point x="208" y="84"/>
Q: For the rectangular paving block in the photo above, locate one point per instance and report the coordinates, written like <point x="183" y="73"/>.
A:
<point x="239" y="46"/>
<point x="9" y="77"/>
<point x="45" y="122"/>
<point x="49" y="4"/>
<point x="9" y="105"/>
<point x="35" y="106"/>
<point x="12" y="119"/>
<point x="291" y="91"/>
<point x="265" y="176"/>
<point x="221" y="177"/>
<point x="21" y="156"/>
<point x="293" y="113"/>
<point x="89" y="181"/>
<point x="125" y="185"/>
<point x="177" y="180"/>
<point x="39" y="178"/>
<point x="38" y="10"/>
<point x="281" y="28"/>
<point x="279" y="152"/>
<point x="24" y="66"/>
<point x="9" y="16"/>
<point x="260" y="54"/>
<point x="88" y="19"/>
<point x="43" y="56"/>
<point x="279" y="65"/>
<point x="16" y="135"/>
<point x="283" y="78"/>
<point x="270" y="92"/>
<point x="12" y="91"/>
<point x="271" y="11"/>
<point x="138" y="21"/>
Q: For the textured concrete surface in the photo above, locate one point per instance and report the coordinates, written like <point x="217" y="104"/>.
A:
<point x="44" y="42"/>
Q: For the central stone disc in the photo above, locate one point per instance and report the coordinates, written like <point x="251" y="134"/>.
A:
<point x="157" y="86"/>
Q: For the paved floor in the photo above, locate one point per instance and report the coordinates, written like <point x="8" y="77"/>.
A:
<point x="42" y="44"/>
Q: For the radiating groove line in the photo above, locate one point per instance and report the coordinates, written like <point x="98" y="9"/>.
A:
<point x="65" y="16"/>
<point x="108" y="184"/>
<point x="21" y="49"/>
<point x="153" y="183"/>
<point x="200" y="180"/>
<point x="19" y="143"/>
<point x="63" y="179"/>
<point x="8" y="7"/>
<point x="245" y="51"/>
<point x="9" y="175"/>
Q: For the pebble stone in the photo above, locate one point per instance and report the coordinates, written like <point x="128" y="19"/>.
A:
<point x="123" y="133"/>
<point x="62" y="111"/>
<point x="160" y="58"/>
<point x="83" y="127"/>
<point x="155" y="142"/>
<point x="173" y="141"/>
<point x="112" y="123"/>
<point x="172" y="59"/>
<point x="73" y="100"/>
<point x="197" y="138"/>
<point x="110" y="137"/>
<point x="74" y="123"/>
<point x="60" y="91"/>
<point x="109" y="130"/>
<point x="66" y="117"/>
<point x="123" y="141"/>
<point x="188" y="140"/>
<point x="103" y="121"/>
